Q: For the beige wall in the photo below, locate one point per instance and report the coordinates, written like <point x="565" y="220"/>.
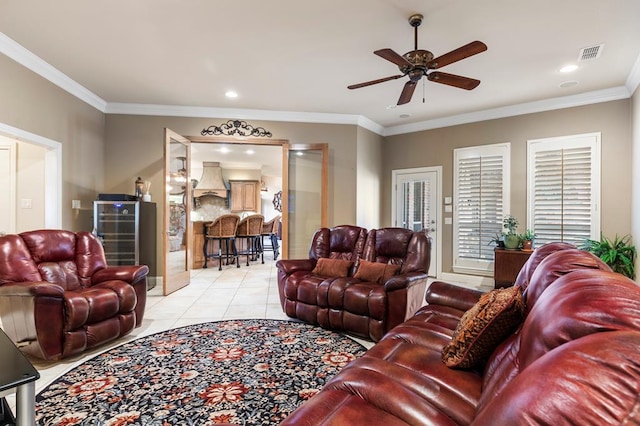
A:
<point x="369" y="178"/>
<point x="435" y="148"/>
<point x="134" y="147"/>
<point x="34" y="105"/>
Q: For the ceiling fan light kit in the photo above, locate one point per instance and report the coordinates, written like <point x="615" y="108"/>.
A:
<point x="420" y="63"/>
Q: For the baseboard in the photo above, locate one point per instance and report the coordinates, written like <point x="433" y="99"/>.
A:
<point x="152" y="282"/>
<point x="474" y="282"/>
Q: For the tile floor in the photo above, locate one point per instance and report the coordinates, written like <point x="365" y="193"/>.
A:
<point x="212" y="295"/>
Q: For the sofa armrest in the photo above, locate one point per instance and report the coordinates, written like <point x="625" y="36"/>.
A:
<point x="130" y="274"/>
<point x="462" y="298"/>
<point x="407" y="280"/>
<point x="38" y="288"/>
<point x="289" y="266"/>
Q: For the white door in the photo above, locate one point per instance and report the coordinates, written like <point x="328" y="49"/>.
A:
<point x="416" y="206"/>
<point x="7" y="182"/>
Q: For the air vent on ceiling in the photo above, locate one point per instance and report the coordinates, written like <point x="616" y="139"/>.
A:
<point x="591" y="52"/>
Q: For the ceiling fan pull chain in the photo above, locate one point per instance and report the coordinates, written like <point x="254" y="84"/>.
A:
<point x="423" y="90"/>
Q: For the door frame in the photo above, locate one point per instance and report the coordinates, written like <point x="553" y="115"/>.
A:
<point x="437" y="244"/>
<point x="52" y="172"/>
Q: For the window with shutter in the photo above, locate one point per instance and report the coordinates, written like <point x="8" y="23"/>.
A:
<point x="563" y="188"/>
<point x="481" y="200"/>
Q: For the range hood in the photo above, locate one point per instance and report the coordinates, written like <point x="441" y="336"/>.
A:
<point x="211" y="182"/>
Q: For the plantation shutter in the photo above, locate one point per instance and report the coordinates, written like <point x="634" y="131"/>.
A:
<point x="481" y="190"/>
<point x="564" y="196"/>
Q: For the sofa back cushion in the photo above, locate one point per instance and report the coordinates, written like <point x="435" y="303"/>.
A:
<point x="16" y="263"/>
<point x="594" y="380"/>
<point x="556" y="265"/>
<point x="344" y="242"/>
<point x="399" y="246"/>
<point x="565" y="300"/>
<point x="65" y="258"/>
<point x="524" y="276"/>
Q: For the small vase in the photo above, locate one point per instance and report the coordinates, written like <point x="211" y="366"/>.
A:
<point x="527" y="245"/>
<point x="146" y="197"/>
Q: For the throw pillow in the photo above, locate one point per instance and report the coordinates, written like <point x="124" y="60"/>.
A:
<point x="483" y="327"/>
<point x="376" y="271"/>
<point x="332" y="267"/>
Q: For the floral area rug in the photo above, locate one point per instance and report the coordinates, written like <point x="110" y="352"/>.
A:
<point x="249" y="372"/>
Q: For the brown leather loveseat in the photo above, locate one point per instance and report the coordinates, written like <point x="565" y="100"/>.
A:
<point x="58" y="297"/>
<point x="574" y="358"/>
<point x="359" y="281"/>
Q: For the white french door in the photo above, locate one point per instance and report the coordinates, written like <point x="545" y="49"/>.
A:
<point x="416" y="206"/>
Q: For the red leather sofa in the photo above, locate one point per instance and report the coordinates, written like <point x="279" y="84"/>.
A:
<point x="58" y="296"/>
<point x="574" y="359"/>
<point x="383" y="285"/>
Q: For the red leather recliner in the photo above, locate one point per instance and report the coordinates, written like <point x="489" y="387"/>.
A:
<point x="58" y="296"/>
<point x="362" y="307"/>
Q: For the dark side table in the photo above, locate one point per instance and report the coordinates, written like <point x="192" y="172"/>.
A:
<point x="507" y="265"/>
<point x="19" y="376"/>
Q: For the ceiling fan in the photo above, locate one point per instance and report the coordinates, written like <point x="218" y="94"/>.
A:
<point x="419" y="63"/>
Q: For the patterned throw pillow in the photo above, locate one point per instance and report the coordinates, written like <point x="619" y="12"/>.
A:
<point x="376" y="271"/>
<point x="332" y="267"/>
<point x="483" y="327"/>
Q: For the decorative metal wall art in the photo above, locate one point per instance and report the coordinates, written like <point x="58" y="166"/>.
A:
<point x="236" y="128"/>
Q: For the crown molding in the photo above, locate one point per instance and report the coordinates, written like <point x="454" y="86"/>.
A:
<point x="34" y="63"/>
<point x="243" y="114"/>
<point x="634" y="77"/>
<point x="27" y="59"/>
<point x="588" y="98"/>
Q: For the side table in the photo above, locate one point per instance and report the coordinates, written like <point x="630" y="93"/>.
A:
<point x="19" y="376"/>
<point x="507" y="265"/>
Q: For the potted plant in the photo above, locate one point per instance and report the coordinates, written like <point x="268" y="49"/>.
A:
<point x="619" y="254"/>
<point x="526" y="239"/>
<point x="511" y="238"/>
<point x="498" y="240"/>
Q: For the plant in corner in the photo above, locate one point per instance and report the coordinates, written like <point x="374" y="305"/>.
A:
<point x="511" y="238"/>
<point x="618" y="253"/>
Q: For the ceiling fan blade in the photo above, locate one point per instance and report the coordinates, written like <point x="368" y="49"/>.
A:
<point x="453" y="80"/>
<point x="407" y="92"/>
<point x="369" y="83"/>
<point x="458" y="54"/>
<point x="392" y="56"/>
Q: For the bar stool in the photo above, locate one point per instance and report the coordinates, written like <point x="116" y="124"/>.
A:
<point x="270" y="230"/>
<point x="223" y="230"/>
<point x="249" y="229"/>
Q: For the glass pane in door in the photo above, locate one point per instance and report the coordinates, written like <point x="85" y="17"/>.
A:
<point x="416" y="207"/>
<point x="305" y="202"/>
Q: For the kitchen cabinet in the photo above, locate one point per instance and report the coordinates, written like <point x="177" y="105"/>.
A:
<point x="198" y="244"/>
<point x="245" y="196"/>
<point x="507" y="265"/>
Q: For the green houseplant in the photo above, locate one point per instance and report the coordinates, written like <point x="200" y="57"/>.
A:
<point x="511" y="238"/>
<point x="526" y="239"/>
<point x="618" y="253"/>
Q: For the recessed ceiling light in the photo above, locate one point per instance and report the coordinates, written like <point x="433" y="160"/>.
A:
<point x="224" y="150"/>
<point x="566" y="84"/>
<point x="405" y="115"/>
<point x="568" y="68"/>
<point x="250" y="151"/>
<point x="231" y="94"/>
